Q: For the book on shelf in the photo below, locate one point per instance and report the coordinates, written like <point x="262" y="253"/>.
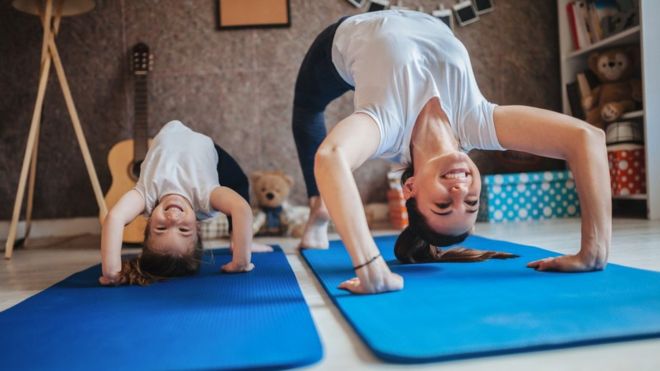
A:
<point x="575" y="100"/>
<point x="584" y="88"/>
<point x="590" y="21"/>
<point x="579" y="89"/>
<point x="603" y="13"/>
<point x="596" y="32"/>
<point x="570" y="17"/>
<point x="578" y="22"/>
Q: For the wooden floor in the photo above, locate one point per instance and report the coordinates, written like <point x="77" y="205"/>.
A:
<point x="636" y="243"/>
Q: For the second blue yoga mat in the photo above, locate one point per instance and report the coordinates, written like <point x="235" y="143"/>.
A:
<point x="209" y="321"/>
<point x="461" y="310"/>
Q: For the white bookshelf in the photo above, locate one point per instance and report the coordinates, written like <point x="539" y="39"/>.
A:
<point x="647" y="35"/>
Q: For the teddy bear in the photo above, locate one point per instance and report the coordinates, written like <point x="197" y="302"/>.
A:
<point x="618" y="90"/>
<point x="273" y="215"/>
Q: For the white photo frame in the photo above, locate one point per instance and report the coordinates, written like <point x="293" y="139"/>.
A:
<point x="357" y="3"/>
<point x="446" y="16"/>
<point x="465" y="13"/>
<point x="376" y="5"/>
<point x="398" y="6"/>
<point x="483" y="6"/>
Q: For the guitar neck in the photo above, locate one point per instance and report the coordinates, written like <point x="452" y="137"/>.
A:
<point x="140" y="131"/>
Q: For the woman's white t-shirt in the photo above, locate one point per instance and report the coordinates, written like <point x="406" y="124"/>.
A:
<point x="180" y="161"/>
<point x="397" y="61"/>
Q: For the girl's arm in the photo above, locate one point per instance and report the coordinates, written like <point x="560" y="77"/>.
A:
<point x="350" y="143"/>
<point x="232" y="204"/>
<point x="129" y="206"/>
<point x="556" y="135"/>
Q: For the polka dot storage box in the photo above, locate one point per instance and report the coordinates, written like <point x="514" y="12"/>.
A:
<point x="528" y="196"/>
<point x="627" y="169"/>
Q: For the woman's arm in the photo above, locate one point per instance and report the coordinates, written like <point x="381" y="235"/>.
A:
<point x="556" y="135"/>
<point x="348" y="145"/>
<point x="228" y="202"/>
<point x="129" y="206"/>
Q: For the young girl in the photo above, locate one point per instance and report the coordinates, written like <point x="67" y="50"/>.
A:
<point x="178" y="185"/>
<point x="417" y="101"/>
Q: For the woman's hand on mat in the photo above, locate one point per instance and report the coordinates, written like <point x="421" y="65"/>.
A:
<point x="565" y="263"/>
<point x="235" y="267"/>
<point x="373" y="279"/>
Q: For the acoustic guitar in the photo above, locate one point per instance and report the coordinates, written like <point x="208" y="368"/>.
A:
<point x="125" y="157"/>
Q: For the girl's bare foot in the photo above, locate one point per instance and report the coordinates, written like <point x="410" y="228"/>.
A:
<point x="315" y="235"/>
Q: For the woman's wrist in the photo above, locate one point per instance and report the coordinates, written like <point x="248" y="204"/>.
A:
<point x="374" y="275"/>
<point x="594" y="262"/>
<point x="594" y="256"/>
<point x="369" y="261"/>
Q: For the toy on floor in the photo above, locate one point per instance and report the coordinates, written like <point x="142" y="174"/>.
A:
<point x="273" y="215"/>
<point x="618" y="90"/>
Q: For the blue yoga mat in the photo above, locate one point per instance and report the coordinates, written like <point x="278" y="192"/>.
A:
<point x="461" y="310"/>
<point x="209" y="321"/>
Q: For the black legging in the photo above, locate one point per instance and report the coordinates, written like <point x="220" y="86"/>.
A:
<point x="317" y="85"/>
<point x="232" y="176"/>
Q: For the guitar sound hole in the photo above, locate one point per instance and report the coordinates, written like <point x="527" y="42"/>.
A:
<point x="135" y="170"/>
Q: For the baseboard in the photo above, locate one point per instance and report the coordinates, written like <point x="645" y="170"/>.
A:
<point x="54" y="227"/>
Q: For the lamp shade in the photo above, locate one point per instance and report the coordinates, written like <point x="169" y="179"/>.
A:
<point x="69" y="7"/>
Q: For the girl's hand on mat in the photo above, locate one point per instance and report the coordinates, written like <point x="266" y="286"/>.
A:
<point x="234" y="267"/>
<point x="259" y="247"/>
<point x="256" y="247"/>
<point x="564" y="263"/>
<point x="110" y="281"/>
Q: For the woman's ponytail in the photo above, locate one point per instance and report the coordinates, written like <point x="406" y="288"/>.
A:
<point x="411" y="248"/>
<point x="417" y="243"/>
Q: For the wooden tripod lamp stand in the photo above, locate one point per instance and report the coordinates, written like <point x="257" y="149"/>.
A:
<point x="50" y="12"/>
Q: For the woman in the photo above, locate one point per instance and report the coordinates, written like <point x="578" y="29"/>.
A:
<point x="417" y="101"/>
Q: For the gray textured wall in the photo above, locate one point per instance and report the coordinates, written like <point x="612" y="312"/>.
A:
<point x="236" y="86"/>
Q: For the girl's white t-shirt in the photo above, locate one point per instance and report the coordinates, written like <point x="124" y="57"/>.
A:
<point x="397" y="61"/>
<point x="180" y="161"/>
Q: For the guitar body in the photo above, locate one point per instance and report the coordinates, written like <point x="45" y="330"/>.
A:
<point x="121" y="163"/>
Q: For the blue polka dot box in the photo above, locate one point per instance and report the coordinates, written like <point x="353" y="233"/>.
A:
<point x="528" y="196"/>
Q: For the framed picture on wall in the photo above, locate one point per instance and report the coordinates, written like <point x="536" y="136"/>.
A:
<point x="234" y="14"/>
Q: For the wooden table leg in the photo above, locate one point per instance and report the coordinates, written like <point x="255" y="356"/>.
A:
<point x="31" y="184"/>
<point x="32" y="136"/>
<point x="54" y="25"/>
<point x="103" y="210"/>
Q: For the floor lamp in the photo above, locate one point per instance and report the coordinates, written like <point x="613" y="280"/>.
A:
<point x="50" y="12"/>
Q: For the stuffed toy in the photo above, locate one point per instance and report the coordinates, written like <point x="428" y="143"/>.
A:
<point x="273" y="215"/>
<point x="618" y="90"/>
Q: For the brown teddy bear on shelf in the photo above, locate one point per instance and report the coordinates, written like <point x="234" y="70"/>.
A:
<point x="618" y="89"/>
<point x="271" y="189"/>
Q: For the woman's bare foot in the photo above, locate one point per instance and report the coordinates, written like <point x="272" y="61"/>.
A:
<point x="315" y="235"/>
